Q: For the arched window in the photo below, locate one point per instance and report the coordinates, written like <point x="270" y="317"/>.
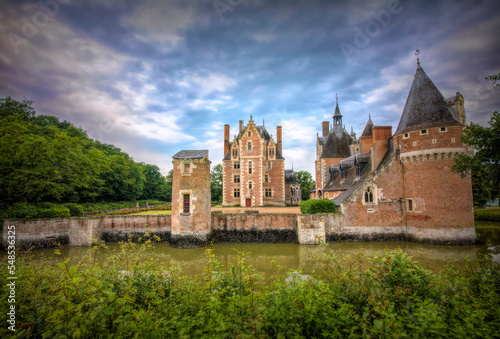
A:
<point x="369" y="195"/>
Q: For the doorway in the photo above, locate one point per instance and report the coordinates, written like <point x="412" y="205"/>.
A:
<point x="248" y="202"/>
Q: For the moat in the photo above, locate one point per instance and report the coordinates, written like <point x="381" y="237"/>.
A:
<point x="266" y="257"/>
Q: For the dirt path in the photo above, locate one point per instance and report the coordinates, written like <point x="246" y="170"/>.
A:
<point x="292" y="209"/>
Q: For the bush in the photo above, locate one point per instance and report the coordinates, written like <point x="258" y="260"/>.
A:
<point x="317" y="206"/>
<point x="75" y="209"/>
<point x="22" y="210"/>
<point x="55" y="212"/>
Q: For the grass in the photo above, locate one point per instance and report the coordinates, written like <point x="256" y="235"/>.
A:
<point x="487" y="214"/>
<point x="154" y="212"/>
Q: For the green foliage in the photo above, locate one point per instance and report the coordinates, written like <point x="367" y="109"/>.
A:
<point x="44" y="159"/>
<point x="22" y="210"/>
<point x="75" y="209"/>
<point x="216" y="183"/>
<point x="314" y="206"/>
<point x="54" y="212"/>
<point x="135" y="292"/>
<point x="488" y="214"/>
<point x="306" y="183"/>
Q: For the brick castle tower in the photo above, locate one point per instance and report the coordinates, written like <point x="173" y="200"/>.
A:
<point x="191" y="199"/>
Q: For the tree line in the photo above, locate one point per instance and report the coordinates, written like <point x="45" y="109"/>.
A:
<point x="47" y="160"/>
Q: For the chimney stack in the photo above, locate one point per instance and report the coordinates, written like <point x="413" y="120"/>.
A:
<point x="278" y="139"/>
<point x="326" y="128"/>
<point x="226" y="139"/>
<point x="381" y="136"/>
<point x="241" y="125"/>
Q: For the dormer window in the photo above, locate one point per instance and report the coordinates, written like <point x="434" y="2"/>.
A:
<point x="406" y="135"/>
<point x="271" y="151"/>
<point x="249" y="133"/>
<point x="423" y="131"/>
<point x="249" y="145"/>
<point x="358" y="170"/>
<point x="369" y="195"/>
<point x="443" y="129"/>
<point x="235" y="151"/>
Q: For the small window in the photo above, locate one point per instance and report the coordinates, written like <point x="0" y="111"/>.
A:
<point x="268" y="164"/>
<point x="236" y="165"/>
<point x="434" y="141"/>
<point x="269" y="193"/>
<point x="406" y="135"/>
<point x="410" y="206"/>
<point x="414" y="143"/>
<point x="443" y="129"/>
<point x="452" y="139"/>
<point x="271" y="151"/>
<point x="186" y="203"/>
<point x="249" y="133"/>
<point x="249" y="185"/>
<point x="236" y="192"/>
<point x="249" y="146"/>
<point x="235" y="151"/>
<point x="186" y="168"/>
<point x="423" y="131"/>
<point x="266" y="178"/>
<point x="369" y="195"/>
<point x="249" y="167"/>
<point x="236" y="179"/>
<point x="357" y="149"/>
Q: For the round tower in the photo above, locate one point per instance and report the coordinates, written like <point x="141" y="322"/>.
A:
<point x="437" y="203"/>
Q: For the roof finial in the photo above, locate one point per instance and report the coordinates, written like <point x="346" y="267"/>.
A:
<point x="417" y="52"/>
<point x="251" y="117"/>
<point x="263" y="123"/>
<point x="336" y="98"/>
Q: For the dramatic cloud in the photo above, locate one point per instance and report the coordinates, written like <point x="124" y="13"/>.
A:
<point x="154" y="77"/>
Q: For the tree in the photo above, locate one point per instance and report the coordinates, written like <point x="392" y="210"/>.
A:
<point x="168" y="180"/>
<point x="306" y="183"/>
<point x="155" y="185"/>
<point x="22" y="109"/>
<point x="484" y="165"/>
<point x="216" y="183"/>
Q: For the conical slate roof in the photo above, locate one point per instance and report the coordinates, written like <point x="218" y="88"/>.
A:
<point x="337" y="110"/>
<point x="425" y="106"/>
<point x="337" y="145"/>
<point x="367" y="132"/>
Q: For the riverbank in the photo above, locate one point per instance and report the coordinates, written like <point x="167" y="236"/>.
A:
<point x="135" y="293"/>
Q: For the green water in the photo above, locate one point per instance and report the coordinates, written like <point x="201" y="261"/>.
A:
<point x="306" y="258"/>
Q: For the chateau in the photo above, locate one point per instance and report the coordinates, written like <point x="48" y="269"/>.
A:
<point x="254" y="169"/>
<point x="384" y="181"/>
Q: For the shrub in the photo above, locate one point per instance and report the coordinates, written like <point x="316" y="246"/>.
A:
<point x="22" y="210"/>
<point x="55" y="212"/>
<point x="75" y="209"/>
<point x="317" y="206"/>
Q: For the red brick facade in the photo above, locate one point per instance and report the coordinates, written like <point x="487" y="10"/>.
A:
<point x="253" y="168"/>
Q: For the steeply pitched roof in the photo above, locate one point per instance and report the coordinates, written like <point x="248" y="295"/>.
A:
<point x="367" y="132"/>
<point x="290" y="178"/>
<point x="337" y="110"/>
<point x="425" y="106"/>
<point x="337" y="144"/>
<point x="190" y="154"/>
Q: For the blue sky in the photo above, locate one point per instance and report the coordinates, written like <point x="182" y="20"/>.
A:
<point x="156" y="77"/>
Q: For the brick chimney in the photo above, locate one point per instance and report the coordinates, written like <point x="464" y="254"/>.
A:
<point x="366" y="142"/>
<point x="325" y="128"/>
<point x="278" y="140"/>
<point x="226" y="139"/>
<point x="241" y="125"/>
<point x="381" y="136"/>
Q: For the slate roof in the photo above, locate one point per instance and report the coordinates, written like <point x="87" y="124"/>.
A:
<point x="337" y="110"/>
<point x="262" y="132"/>
<point x="348" y="166"/>
<point x="425" y="106"/>
<point x="337" y="144"/>
<point x="191" y="154"/>
<point x="290" y="178"/>
<point x="367" y="132"/>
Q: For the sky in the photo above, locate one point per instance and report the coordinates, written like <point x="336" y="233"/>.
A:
<point x="157" y="77"/>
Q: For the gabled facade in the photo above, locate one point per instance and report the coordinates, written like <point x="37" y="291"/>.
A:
<point x="253" y="167"/>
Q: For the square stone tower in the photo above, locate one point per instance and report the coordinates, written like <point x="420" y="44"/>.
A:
<point x="191" y="199"/>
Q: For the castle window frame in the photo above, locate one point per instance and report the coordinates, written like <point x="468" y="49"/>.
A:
<point x="271" y="151"/>
<point x="236" y="178"/>
<point x="235" y="151"/>
<point x="434" y="141"/>
<point x="249" y="146"/>
<point x="406" y="135"/>
<point x="186" y="167"/>
<point x="266" y="178"/>
<point x="236" y="165"/>
<point x="414" y="144"/>
<point x="250" y="185"/>
<point x="368" y="196"/>
<point x="186" y="203"/>
<point x="452" y="139"/>
<point x="268" y="192"/>
<point x="423" y="131"/>
<point x="443" y="129"/>
<point x="249" y="167"/>
<point x="410" y="205"/>
<point x="236" y="192"/>
<point x="249" y="133"/>
<point x="269" y="164"/>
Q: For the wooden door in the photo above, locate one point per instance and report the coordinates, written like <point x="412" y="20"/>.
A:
<point x="249" y="202"/>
